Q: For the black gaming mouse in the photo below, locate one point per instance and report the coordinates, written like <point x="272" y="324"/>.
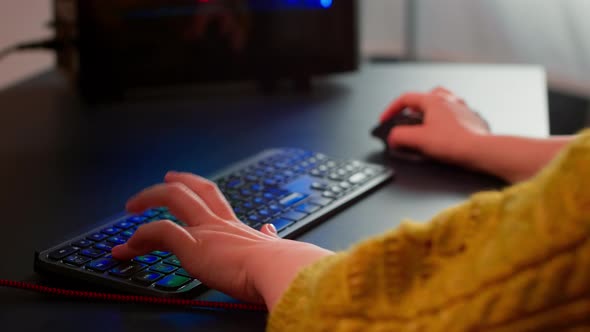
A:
<point x="406" y="117"/>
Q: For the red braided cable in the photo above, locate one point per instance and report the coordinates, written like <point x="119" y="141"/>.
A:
<point x="130" y="298"/>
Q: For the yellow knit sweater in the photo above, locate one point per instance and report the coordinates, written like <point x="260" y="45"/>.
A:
<point x="511" y="260"/>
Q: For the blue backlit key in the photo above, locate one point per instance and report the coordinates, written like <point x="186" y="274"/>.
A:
<point x="172" y="282"/>
<point x="163" y="268"/>
<point x="137" y="220"/>
<point x="151" y="213"/>
<point x="173" y="260"/>
<point x="102" y="264"/>
<point x="182" y="272"/>
<point x="97" y="237"/>
<point x="111" y="230"/>
<point x="103" y="246"/>
<point x="124" y="224"/>
<point x="161" y="253"/>
<point x="307" y="208"/>
<point x="147" y="259"/>
<point x="281" y="223"/>
<point x="127" y="234"/>
<point x="116" y="240"/>
<point x="91" y="252"/>
<point x="275" y="208"/>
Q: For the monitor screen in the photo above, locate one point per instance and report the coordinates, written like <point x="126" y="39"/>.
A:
<point x="160" y="42"/>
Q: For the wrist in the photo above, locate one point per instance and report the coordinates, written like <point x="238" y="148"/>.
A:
<point x="472" y="153"/>
<point x="275" y="267"/>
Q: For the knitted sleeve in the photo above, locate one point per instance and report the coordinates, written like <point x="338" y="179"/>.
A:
<point x="511" y="260"/>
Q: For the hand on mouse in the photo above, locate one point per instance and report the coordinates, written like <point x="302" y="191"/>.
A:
<point x="215" y="247"/>
<point x="449" y="127"/>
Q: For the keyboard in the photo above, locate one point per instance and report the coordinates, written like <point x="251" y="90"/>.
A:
<point x="291" y="188"/>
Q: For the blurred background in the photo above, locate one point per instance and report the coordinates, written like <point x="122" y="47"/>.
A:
<point x="551" y="33"/>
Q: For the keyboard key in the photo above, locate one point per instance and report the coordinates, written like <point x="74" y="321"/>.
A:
<point x="137" y="220"/>
<point x="294" y="215"/>
<point x="92" y="253"/>
<point x="330" y="194"/>
<point x="265" y="213"/>
<point x="321" y="201"/>
<point x="161" y="253"/>
<point x="234" y="183"/>
<point x="319" y="186"/>
<point x="82" y="243"/>
<point x="147" y="277"/>
<point x="253" y="218"/>
<point x="103" y="246"/>
<point x="172" y="260"/>
<point x="150" y="213"/>
<point x="275" y="208"/>
<point x="345" y="185"/>
<point x="259" y="201"/>
<point x="116" y="240"/>
<point x="270" y="182"/>
<point x="182" y="272"/>
<point x="102" y="264"/>
<point x="357" y="178"/>
<point x="147" y="259"/>
<point x="111" y="230"/>
<point x="124" y="224"/>
<point x="292" y="199"/>
<point x="307" y="208"/>
<point x="97" y="237"/>
<point x="281" y="223"/>
<point x="172" y="282"/>
<point x="370" y="171"/>
<point x="128" y="233"/>
<point x="335" y="177"/>
<point x="269" y="196"/>
<point x="336" y="189"/>
<point x="252" y="178"/>
<point x="163" y="268"/>
<point x="256" y="187"/>
<point x="76" y="260"/>
<point x="126" y="269"/>
<point x="234" y="197"/>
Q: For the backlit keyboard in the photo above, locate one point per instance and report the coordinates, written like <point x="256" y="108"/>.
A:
<point x="290" y="188"/>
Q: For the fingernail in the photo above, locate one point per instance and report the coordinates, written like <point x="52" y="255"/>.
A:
<point x="272" y="228"/>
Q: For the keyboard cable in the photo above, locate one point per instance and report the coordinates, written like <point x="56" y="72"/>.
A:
<point x="137" y="299"/>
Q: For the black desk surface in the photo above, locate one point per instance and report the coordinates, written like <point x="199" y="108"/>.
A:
<point x="66" y="165"/>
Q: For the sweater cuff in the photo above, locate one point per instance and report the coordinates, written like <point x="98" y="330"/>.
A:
<point x="297" y="301"/>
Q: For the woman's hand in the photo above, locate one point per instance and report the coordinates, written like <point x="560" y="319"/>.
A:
<point x="215" y="247"/>
<point x="453" y="133"/>
<point x="449" y="128"/>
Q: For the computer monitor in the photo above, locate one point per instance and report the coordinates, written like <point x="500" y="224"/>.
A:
<point x="124" y="44"/>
